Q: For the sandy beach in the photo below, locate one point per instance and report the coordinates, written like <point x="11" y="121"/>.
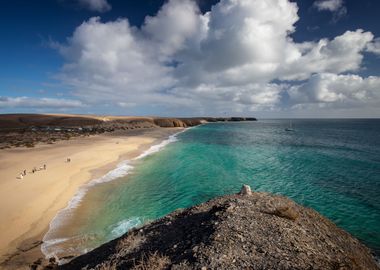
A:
<point x="28" y="205"/>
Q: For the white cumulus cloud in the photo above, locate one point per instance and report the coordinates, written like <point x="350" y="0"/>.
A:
<point x="343" y="53"/>
<point x="374" y="47"/>
<point x="240" y="56"/>
<point x="348" y="90"/>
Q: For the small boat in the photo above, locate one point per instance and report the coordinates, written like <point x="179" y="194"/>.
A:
<point x="290" y="128"/>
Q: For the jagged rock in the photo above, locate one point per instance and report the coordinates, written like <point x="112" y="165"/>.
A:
<point x="260" y="231"/>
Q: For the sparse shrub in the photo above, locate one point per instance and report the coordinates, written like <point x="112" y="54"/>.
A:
<point x="29" y="144"/>
<point x="129" y="243"/>
<point x="286" y="211"/>
<point x="106" y="266"/>
<point x="152" y="261"/>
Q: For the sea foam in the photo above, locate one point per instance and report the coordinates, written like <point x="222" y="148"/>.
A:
<point x="50" y="243"/>
<point x="125" y="225"/>
<point x="155" y="148"/>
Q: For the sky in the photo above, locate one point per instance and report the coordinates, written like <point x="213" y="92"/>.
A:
<point x="263" y="58"/>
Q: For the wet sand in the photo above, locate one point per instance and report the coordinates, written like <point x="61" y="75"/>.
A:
<point x="28" y="205"/>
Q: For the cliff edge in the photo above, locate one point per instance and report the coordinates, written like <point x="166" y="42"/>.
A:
<point x="250" y="230"/>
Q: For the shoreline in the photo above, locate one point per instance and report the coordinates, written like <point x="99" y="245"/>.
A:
<point x="122" y="169"/>
<point x="38" y="198"/>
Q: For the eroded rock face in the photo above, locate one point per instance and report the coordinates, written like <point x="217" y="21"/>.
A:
<point x="259" y="231"/>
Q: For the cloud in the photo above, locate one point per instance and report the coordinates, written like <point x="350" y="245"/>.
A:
<point x="374" y="47"/>
<point x="335" y="6"/>
<point x="95" y="5"/>
<point x="122" y="65"/>
<point x="216" y="98"/>
<point x="242" y="42"/>
<point x="330" y="5"/>
<point x="176" y="22"/>
<point x="344" y="90"/>
<point x="28" y="102"/>
<point x="240" y="56"/>
<point x="343" y="53"/>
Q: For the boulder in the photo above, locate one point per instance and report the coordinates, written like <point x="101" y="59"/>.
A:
<point x="245" y="190"/>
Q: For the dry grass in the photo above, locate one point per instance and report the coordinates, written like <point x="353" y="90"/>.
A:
<point x="152" y="261"/>
<point x="106" y="266"/>
<point x="129" y="243"/>
<point x="286" y="211"/>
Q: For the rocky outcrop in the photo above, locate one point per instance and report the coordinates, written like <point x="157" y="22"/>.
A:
<point x="250" y="230"/>
<point x="169" y="122"/>
<point x="190" y="122"/>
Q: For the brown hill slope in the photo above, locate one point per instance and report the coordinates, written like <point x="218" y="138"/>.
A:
<point x="252" y="231"/>
<point x="17" y="121"/>
<point x="19" y="130"/>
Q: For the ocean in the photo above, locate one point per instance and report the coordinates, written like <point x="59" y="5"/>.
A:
<point x="330" y="165"/>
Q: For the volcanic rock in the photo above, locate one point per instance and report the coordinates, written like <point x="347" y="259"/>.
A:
<point x="259" y="231"/>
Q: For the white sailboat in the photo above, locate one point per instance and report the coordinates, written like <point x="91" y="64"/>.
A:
<point x="290" y="128"/>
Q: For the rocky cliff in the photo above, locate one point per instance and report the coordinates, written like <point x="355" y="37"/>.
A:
<point x="250" y="230"/>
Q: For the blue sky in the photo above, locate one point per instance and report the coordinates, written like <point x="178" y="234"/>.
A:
<point x="266" y="58"/>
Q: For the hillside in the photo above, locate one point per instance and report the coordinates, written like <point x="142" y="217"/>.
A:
<point x="241" y="231"/>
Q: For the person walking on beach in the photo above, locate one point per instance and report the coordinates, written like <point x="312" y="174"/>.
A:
<point x="24" y="173"/>
<point x="44" y="166"/>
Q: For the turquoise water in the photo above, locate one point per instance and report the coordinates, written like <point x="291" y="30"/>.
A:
<point x="332" y="166"/>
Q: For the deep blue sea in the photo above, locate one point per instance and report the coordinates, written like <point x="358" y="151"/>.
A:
<point x="332" y="166"/>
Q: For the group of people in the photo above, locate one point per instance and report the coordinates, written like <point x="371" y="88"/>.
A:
<point x="23" y="173"/>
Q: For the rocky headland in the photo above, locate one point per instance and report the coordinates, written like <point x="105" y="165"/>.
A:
<point x="26" y="130"/>
<point x="250" y="230"/>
